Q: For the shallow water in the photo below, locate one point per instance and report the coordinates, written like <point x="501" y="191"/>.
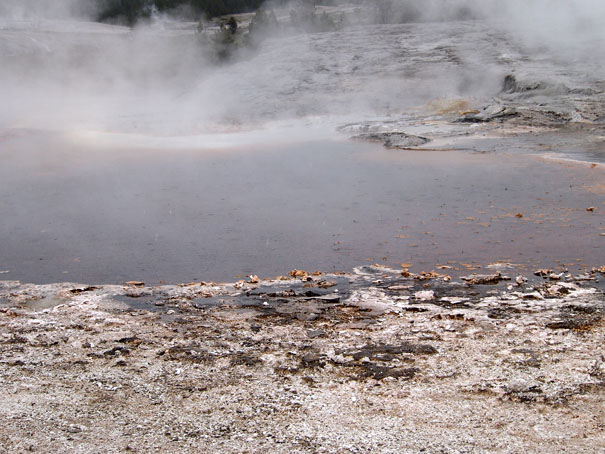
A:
<point x="128" y="155"/>
<point x="102" y="216"/>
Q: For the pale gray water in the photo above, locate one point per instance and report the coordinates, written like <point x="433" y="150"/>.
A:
<point x="107" y="216"/>
<point x="170" y="201"/>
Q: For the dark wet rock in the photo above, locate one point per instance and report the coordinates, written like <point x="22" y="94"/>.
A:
<point x="415" y="309"/>
<point x="77" y="291"/>
<point x="512" y="85"/>
<point x="313" y="360"/>
<point x="482" y="279"/>
<point x="424" y="276"/>
<point x="129" y="340"/>
<point x="576" y="323"/>
<point x="384" y="352"/>
<point x="241" y="359"/>
<point x="268" y="292"/>
<point x="379" y="372"/>
<point x="523" y="392"/>
<point x="578" y="317"/>
<point x="531" y="362"/>
<point x="578" y="309"/>
<point x="192" y="353"/>
<point x="542" y="273"/>
<point x="297" y="290"/>
<point x="393" y="139"/>
<point x="503" y="312"/>
<point x="119" y="350"/>
<point x="312" y="334"/>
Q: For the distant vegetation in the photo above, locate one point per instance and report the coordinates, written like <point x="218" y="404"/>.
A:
<point x="129" y="11"/>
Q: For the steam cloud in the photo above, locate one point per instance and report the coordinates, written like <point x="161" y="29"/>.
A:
<point x="61" y="72"/>
<point x="47" y="9"/>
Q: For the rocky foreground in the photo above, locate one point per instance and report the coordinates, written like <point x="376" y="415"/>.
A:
<point x="374" y="361"/>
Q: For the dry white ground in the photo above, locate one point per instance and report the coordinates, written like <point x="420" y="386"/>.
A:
<point x="389" y="365"/>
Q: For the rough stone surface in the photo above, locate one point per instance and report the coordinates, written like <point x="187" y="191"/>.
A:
<point x="244" y="368"/>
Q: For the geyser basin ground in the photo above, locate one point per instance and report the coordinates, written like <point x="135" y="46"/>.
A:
<point x="87" y="214"/>
<point x="369" y="362"/>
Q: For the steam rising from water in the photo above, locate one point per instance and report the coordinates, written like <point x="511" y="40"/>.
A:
<point x="109" y="213"/>
<point x="63" y="73"/>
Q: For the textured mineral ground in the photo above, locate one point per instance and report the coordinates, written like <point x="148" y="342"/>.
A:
<point x="128" y="154"/>
<point x="374" y="361"/>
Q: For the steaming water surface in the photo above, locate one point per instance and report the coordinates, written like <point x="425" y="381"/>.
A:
<point x="132" y="155"/>
<point x="110" y="215"/>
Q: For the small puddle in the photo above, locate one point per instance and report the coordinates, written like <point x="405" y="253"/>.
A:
<point x="146" y="303"/>
<point x="47" y="302"/>
<point x="38" y="304"/>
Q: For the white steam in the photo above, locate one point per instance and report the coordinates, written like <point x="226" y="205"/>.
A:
<point x="59" y="71"/>
<point x="46" y="9"/>
<point x="569" y="28"/>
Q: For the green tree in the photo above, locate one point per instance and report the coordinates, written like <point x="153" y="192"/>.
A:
<point x="129" y="11"/>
